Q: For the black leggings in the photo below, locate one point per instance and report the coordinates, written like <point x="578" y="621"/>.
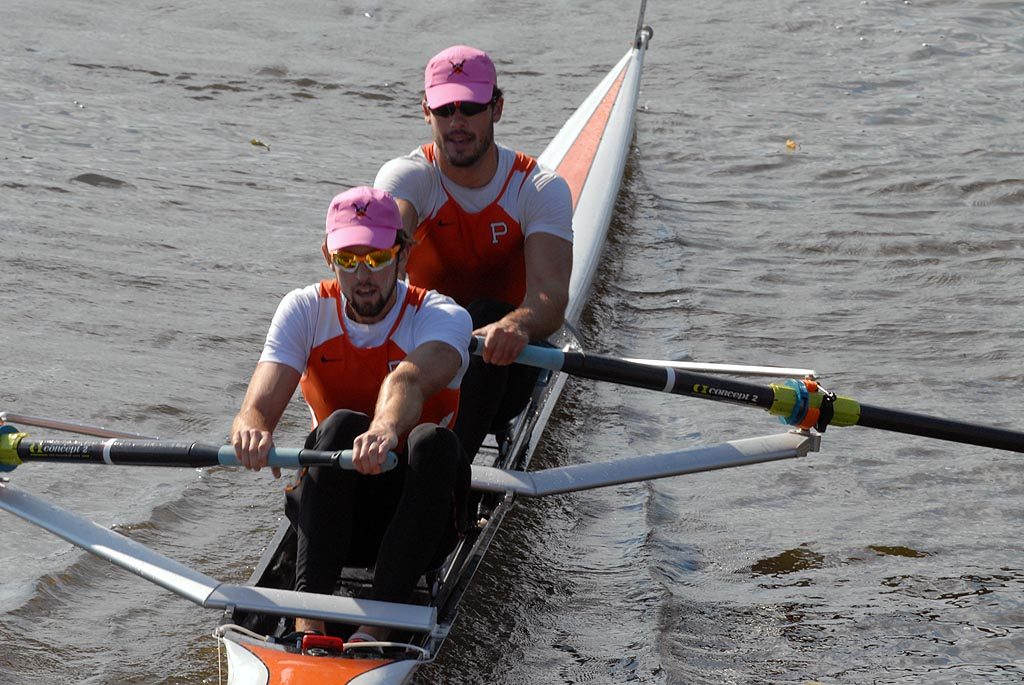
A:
<point x="403" y="522"/>
<point x="491" y="396"/>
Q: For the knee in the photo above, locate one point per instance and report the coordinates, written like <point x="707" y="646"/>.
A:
<point x="434" y="450"/>
<point x="338" y="430"/>
<point x="346" y="419"/>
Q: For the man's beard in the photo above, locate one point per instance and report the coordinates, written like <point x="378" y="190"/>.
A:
<point x="474" y="155"/>
<point x="372" y="308"/>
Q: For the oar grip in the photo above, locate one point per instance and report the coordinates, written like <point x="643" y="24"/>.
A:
<point x="341" y="459"/>
<point x="532" y="355"/>
<point x="292" y="458"/>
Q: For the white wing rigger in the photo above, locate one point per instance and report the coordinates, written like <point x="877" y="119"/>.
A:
<point x="578" y="477"/>
<point x="201" y="589"/>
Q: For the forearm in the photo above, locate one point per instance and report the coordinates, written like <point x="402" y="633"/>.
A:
<point x="399" y="404"/>
<point x="539" y="315"/>
<point x="548" y="268"/>
<point x="427" y="370"/>
<point x="263" y="404"/>
<point x="254" y="416"/>
<point x="269" y="391"/>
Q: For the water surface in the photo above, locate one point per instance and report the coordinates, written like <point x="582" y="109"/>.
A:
<point x="146" y="240"/>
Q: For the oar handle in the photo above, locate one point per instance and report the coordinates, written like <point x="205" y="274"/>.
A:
<point x="293" y="458"/>
<point x="532" y="355"/>
<point x="16" y="448"/>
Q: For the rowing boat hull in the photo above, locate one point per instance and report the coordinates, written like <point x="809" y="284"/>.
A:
<point x="251" y="661"/>
<point x="590" y="152"/>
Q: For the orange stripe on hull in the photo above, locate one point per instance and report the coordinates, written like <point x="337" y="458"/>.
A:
<point x="575" y="166"/>
<point x="300" y="669"/>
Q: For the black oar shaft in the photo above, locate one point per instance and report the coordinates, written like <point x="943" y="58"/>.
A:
<point x="665" y="379"/>
<point x="940" y="429"/>
<point x="125" y="452"/>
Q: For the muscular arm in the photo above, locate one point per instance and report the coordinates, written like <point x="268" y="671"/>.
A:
<point x="270" y="390"/>
<point x="548" y="267"/>
<point x="427" y="370"/>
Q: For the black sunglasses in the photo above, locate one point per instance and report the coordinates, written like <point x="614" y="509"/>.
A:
<point x="468" y="109"/>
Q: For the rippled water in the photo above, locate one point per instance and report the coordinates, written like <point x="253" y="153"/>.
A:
<point x="146" y="240"/>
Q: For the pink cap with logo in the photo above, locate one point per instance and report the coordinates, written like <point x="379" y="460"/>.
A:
<point x="459" y="74"/>
<point x="362" y="216"/>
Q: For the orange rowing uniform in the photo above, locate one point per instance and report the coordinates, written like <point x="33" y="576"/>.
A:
<point x="340" y="375"/>
<point x="473" y="256"/>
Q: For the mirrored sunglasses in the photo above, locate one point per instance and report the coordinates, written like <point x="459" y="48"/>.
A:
<point x="375" y="261"/>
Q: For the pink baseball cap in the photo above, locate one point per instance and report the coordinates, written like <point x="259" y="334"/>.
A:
<point x="459" y="74"/>
<point x="362" y="216"/>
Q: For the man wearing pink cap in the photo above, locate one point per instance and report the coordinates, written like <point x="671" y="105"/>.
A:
<point x="493" y="230"/>
<point x="379" y="363"/>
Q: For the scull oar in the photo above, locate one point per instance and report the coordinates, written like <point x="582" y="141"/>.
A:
<point x="798" y="403"/>
<point x="16" y="448"/>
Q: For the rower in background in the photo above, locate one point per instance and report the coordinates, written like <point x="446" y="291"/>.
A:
<point x="493" y="230"/>
<point x="380" y="363"/>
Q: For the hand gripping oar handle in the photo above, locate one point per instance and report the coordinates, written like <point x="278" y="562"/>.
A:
<point x="16" y="448"/>
<point x="797" y="403"/>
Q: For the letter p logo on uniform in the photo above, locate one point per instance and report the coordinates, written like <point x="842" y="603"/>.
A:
<point x="498" y="229"/>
